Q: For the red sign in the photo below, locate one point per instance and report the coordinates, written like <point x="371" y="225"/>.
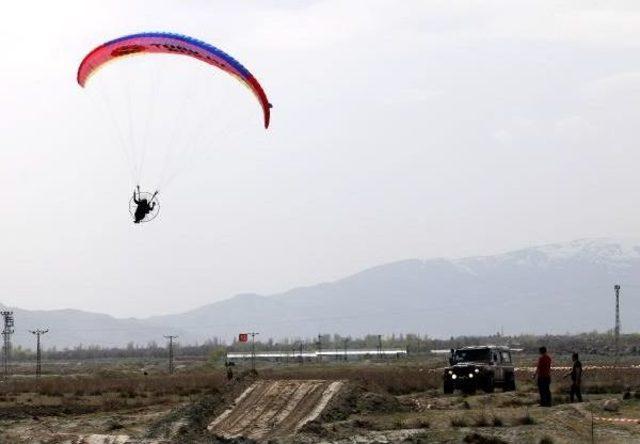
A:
<point x="243" y="337"/>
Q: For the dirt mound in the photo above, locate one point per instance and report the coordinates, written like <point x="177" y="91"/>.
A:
<point x="372" y="402"/>
<point x="354" y="399"/>
<point x="269" y="409"/>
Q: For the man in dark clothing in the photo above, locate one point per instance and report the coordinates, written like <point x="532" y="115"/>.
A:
<point x="144" y="207"/>
<point x="543" y="377"/>
<point x="229" y="366"/>
<point x="576" y="379"/>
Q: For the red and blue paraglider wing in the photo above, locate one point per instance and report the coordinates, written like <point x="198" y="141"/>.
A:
<point x="167" y="43"/>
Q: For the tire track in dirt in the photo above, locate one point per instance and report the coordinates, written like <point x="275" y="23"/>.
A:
<point x="274" y="408"/>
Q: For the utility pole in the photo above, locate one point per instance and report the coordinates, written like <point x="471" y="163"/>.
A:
<point x="38" y="333"/>
<point x="345" y="340"/>
<point x="319" y="344"/>
<point x="301" y="357"/>
<point x="253" y="350"/>
<point x="171" y="338"/>
<point x="616" y="331"/>
<point x="7" y="331"/>
<point x="380" y="346"/>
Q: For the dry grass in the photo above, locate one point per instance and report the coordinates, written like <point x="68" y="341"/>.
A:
<point x="396" y="379"/>
<point x="595" y="380"/>
<point x="408" y="378"/>
<point x="74" y="395"/>
<point x="130" y="386"/>
<point x="458" y="421"/>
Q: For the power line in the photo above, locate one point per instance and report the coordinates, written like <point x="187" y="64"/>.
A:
<point x="171" y="366"/>
<point x="38" y="333"/>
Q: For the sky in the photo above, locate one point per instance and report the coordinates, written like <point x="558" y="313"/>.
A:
<point x="399" y="130"/>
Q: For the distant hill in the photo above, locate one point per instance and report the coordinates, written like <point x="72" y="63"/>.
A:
<point x="556" y="288"/>
<point x="69" y="328"/>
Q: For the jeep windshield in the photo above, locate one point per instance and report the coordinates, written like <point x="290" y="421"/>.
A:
<point x="472" y="355"/>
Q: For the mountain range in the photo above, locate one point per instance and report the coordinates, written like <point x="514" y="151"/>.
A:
<point x="557" y="288"/>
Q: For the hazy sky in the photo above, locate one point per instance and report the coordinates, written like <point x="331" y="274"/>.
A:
<point x="400" y="129"/>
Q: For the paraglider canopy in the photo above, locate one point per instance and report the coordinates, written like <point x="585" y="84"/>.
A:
<point x="168" y="43"/>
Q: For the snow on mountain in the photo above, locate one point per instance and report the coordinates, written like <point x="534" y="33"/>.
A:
<point x="598" y="250"/>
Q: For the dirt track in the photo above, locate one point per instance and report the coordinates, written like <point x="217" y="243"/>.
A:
<point x="271" y="409"/>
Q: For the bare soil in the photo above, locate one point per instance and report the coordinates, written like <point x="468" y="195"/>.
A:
<point x="270" y="409"/>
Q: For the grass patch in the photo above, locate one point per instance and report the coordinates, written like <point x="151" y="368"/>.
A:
<point x="420" y="423"/>
<point x="363" y="424"/>
<point x="476" y="438"/>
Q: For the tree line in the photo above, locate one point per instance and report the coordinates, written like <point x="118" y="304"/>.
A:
<point x="594" y="343"/>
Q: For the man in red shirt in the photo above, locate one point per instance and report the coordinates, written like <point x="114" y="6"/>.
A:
<point x="543" y="376"/>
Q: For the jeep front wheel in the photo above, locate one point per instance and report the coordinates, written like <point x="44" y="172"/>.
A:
<point x="509" y="383"/>
<point x="469" y="389"/>
<point x="489" y="384"/>
<point x="448" y="388"/>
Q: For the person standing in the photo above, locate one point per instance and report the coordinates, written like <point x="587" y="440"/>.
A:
<point x="229" y="366"/>
<point x="576" y="379"/>
<point x="543" y="377"/>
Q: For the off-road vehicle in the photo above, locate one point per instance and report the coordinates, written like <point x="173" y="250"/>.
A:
<point x="479" y="367"/>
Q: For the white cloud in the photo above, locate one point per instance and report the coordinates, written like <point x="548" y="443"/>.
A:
<point x="623" y="84"/>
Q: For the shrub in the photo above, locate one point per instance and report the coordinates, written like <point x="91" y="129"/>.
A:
<point x="398" y="423"/>
<point x="362" y="424"/>
<point x="418" y="438"/>
<point x="114" y="424"/>
<point x="481" y="421"/>
<point x="458" y="421"/>
<point x="527" y="419"/>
